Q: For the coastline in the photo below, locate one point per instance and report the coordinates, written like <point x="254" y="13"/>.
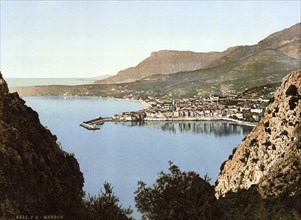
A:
<point x="147" y="105"/>
<point x="250" y="124"/>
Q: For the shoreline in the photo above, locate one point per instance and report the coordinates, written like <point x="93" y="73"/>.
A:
<point x="146" y="105"/>
<point x="250" y="124"/>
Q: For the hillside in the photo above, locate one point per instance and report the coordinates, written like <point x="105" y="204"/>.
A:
<point x="287" y="41"/>
<point x="166" y="62"/>
<point x="36" y="176"/>
<point x="241" y="69"/>
<point x="38" y="180"/>
<point x="274" y="56"/>
<point x="270" y="156"/>
<point x="245" y="71"/>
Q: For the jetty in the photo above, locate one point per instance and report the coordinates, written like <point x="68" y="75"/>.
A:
<point x="89" y="127"/>
<point x="247" y="113"/>
<point x="93" y="124"/>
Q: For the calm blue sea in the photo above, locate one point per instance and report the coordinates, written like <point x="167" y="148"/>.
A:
<point x="124" y="153"/>
<point x="16" y="82"/>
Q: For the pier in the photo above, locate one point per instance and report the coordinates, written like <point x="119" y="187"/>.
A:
<point x="186" y="110"/>
<point x="98" y="121"/>
<point x="94" y="123"/>
<point x="89" y="127"/>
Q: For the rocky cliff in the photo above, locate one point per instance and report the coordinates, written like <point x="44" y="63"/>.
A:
<point x="270" y="156"/>
<point x="36" y="176"/>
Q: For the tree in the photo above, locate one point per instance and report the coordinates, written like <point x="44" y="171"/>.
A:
<point x="105" y="206"/>
<point x="176" y="195"/>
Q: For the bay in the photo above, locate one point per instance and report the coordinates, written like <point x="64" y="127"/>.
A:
<point x="124" y="153"/>
<point x="20" y="82"/>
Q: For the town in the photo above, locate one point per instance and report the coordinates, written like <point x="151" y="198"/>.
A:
<point x="246" y="111"/>
<point x="212" y="108"/>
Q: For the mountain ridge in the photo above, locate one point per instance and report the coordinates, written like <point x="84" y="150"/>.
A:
<point x="166" y="62"/>
<point x="170" y="61"/>
<point x="238" y="70"/>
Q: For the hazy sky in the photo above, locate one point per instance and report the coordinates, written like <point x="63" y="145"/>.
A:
<point x="92" y="38"/>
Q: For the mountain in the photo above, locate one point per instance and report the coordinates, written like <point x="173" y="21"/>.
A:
<point x="287" y="41"/>
<point x="281" y="48"/>
<point x="242" y="68"/>
<point x="270" y="156"/>
<point x="36" y="175"/>
<point x="166" y="62"/>
<point x="245" y="71"/>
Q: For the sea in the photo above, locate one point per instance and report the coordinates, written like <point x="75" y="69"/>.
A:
<point x="125" y="153"/>
<point x="18" y="82"/>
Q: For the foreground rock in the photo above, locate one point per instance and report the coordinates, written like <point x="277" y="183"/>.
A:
<point x="270" y="156"/>
<point x="36" y="176"/>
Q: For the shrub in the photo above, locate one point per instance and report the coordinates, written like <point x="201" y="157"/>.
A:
<point x="255" y="160"/>
<point x="292" y="91"/>
<point x="268" y="130"/>
<point x="176" y="195"/>
<point x="293" y="102"/>
<point x="271" y="100"/>
<point x="284" y="132"/>
<point x="267" y="143"/>
<point x="105" y="206"/>
<point x="261" y="167"/>
<point x="253" y="142"/>
<point x="222" y="166"/>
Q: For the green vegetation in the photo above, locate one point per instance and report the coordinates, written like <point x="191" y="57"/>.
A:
<point x="177" y="195"/>
<point x="105" y="206"/>
<point x="249" y="204"/>
<point x="185" y="195"/>
<point x="292" y="91"/>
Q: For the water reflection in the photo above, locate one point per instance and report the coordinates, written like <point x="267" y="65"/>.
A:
<point x="123" y="154"/>
<point x="218" y="128"/>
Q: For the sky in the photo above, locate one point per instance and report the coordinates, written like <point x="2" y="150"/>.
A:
<point x="43" y="39"/>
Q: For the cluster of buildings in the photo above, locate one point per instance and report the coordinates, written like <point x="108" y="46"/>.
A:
<point x="189" y="109"/>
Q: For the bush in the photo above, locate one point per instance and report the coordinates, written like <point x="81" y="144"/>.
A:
<point x="249" y="204"/>
<point x="176" y="195"/>
<point x="292" y="91"/>
<point x="105" y="206"/>
<point x="284" y="132"/>
<point x="293" y="102"/>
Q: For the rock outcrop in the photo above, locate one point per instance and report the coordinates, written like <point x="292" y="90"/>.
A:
<point x="36" y="176"/>
<point x="270" y="156"/>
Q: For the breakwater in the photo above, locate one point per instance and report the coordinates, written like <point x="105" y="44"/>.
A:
<point x="142" y="116"/>
<point x="184" y="110"/>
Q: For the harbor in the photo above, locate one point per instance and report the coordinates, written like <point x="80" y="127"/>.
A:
<point x="94" y="124"/>
<point x="247" y="113"/>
